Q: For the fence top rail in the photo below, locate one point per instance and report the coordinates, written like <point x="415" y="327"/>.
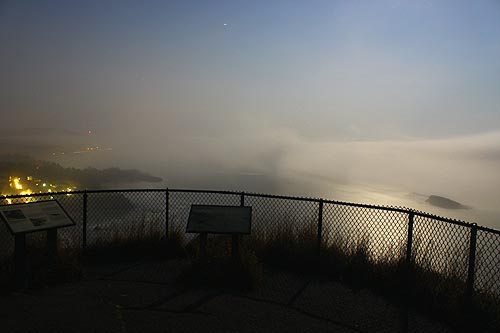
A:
<point x="307" y="199"/>
<point x="283" y="197"/>
<point x="126" y="190"/>
<point x="271" y="196"/>
<point x="444" y="219"/>
<point x="44" y="194"/>
<point x="248" y="194"/>
<point x="19" y="196"/>
<point x="353" y="204"/>
<point x="486" y="229"/>
<point x="181" y="190"/>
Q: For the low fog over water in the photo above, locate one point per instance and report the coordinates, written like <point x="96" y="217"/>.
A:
<point x="385" y="103"/>
<point x="386" y="172"/>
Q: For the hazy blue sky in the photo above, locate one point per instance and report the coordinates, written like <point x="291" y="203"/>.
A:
<point x="354" y="69"/>
<point x="400" y="93"/>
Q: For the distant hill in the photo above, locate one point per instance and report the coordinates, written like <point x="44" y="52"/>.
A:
<point x="443" y="202"/>
<point x="23" y="166"/>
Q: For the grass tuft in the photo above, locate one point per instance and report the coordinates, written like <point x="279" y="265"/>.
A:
<point x="219" y="268"/>
<point x="135" y="246"/>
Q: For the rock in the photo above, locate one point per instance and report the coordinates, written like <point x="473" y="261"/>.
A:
<point x="443" y="202"/>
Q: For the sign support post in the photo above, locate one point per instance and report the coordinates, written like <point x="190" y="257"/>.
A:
<point x="235" y="247"/>
<point x="203" y="248"/>
<point x="31" y="217"/>
<point x="51" y="249"/>
<point x="20" y="260"/>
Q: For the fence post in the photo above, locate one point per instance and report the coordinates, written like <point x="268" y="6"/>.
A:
<point x="167" y="212"/>
<point x="320" y="226"/>
<point x="242" y="199"/>
<point x="411" y="216"/>
<point x="406" y="277"/>
<point x="472" y="265"/>
<point x="84" y="222"/>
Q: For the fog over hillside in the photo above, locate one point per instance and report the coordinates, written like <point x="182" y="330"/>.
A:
<point x="385" y="102"/>
<point x="388" y="172"/>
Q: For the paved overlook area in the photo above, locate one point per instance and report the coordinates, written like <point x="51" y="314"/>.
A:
<point x="143" y="297"/>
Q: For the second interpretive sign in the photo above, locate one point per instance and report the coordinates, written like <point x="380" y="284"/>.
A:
<point x="219" y="219"/>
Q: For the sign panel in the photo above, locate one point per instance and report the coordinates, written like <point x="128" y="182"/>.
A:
<point x="219" y="219"/>
<point x="34" y="216"/>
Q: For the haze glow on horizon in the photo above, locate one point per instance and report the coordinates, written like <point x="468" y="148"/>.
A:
<point x="328" y="96"/>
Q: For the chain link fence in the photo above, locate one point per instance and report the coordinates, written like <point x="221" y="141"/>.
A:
<point x="381" y="233"/>
<point x="274" y="217"/>
<point x="124" y="216"/>
<point x="452" y="259"/>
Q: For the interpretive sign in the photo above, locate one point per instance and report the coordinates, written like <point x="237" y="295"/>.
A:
<point x="35" y="216"/>
<point x="219" y="219"/>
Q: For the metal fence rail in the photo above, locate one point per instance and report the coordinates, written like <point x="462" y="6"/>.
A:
<point x="463" y="251"/>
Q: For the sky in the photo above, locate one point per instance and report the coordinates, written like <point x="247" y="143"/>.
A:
<point x="391" y="97"/>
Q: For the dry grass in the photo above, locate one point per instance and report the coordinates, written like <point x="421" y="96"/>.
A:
<point x="219" y="268"/>
<point x="438" y="294"/>
<point x="347" y="259"/>
<point x="138" y="243"/>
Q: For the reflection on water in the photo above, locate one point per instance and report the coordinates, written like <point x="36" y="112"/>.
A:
<point x="391" y="197"/>
<point x="320" y="187"/>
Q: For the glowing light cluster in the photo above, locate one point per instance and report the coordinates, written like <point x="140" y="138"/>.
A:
<point x="29" y="185"/>
<point x="15" y="182"/>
